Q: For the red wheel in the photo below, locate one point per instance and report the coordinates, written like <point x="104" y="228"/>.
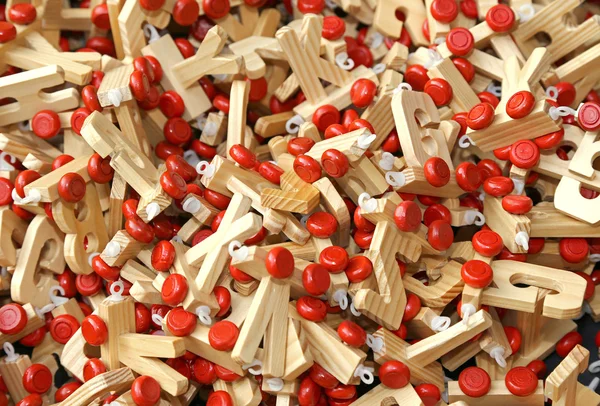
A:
<point x="524" y="154"/>
<point x="468" y="176"/>
<point x="517" y="204"/>
<point x="145" y="391"/>
<point x="500" y="18"/>
<point x="514" y="338"/>
<point x="315" y="279"/>
<point x="521" y="381"/>
<point x="460" y="41"/>
<point x="477" y="274"/>
<point x="174" y="289"/>
<point x="573" y="250"/>
<point x="45" y="124"/>
<point x="311" y="308"/>
<point x="24" y="13"/>
<point x="325" y="116"/>
<point x="481" y="116"/>
<point x="416" y="76"/>
<point x="487" y="243"/>
<point x="363" y="92"/>
<point x="180" y="322"/>
<point x="568" y="342"/>
<point x="352" y="334"/>
<point x="474" y="382"/>
<point x="63" y="327"/>
<point x="223" y="335"/>
<point x="13" y="318"/>
<point x="444" y="11"/>
<point x="520" y="104"/>
<point x="407" y="216"/>
<point x="359" y="268"/>
<point x="307" y="168"/>
<point x="333" y="28"/>
<point x="394" y="374"/>
<point x="498" y="186"/>
<point x="588" y="116"/>
<point x="215" y="9"/>
<point x="280" y="263"/>
<point x="94" y="330"/>
<point x="466" y="68"/>
<point x="185" y="12"/>
<point x="437" y="172"/>
<point x="439" y="90"/>
<point x="440" y="235"/>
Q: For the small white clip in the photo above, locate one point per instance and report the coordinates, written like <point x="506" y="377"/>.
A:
<point x="116" y="295"/>
<point x="366" y="203"/>
<point x="341" y="297"/>
<point x="439" y="40"/>
<point x="473" y="217"/>
<point x="561" y="111"/>
<point x="220" y="77"/>
<point x="434" y="58"/>
<point x="206" y="169"/>
<point x="46" y="309"/>
<point x="237" y="250"/>
<point x="519" y="185"/>
<point x="5" y="166"/>
<point x="364" y="141"/>
<point x="440" y="323"/>
<point x="395" y="179"/>
<point x="594" y="384"/>
<point x="330" y="4"/>
<point x="594" y="367"/>
<point x="374" y="343"/>
<point x="343" y="61"/>
<point x="33" y="196"/>
<point x="498" y="354"/>
<point x="401" y="87"/>
<point x="11" y="355"/>
<point x="387" y="161"/>
<point x="201" y="121"/>
<point x="177" y="239"/>
<point x="115" y="97"/>
<point x="552" y="92"/>
<point x="275" y="384"/>
<point x="495" y="90"/>
<point x="24" y="126"/>
<point x="191" y="157"/>
<point x="112" y="249"/>
<point x="191" y="205"/>
<point x="209" y="129"/>
<point x="292" y="126"/>
<point x="526" y="12"/>
<point x="251" y="367"/>
<point x="594" y="258"/>
<point x="376" y="40"/>
<point x="57" y="300"/>
<point x="304" y="219"/>
<point x="522" y="239"/>
<point x="467" y="310"/>
<point x="203" y="313"/>
<point x="152" y="210"/>
<point x="158" y="319"/>
<point x="353" y="310"/>
<point x="465" y="141"/>
<point x="378" y="68"/>
<point x="151" y="33"/>
<point x="365" y="373"/>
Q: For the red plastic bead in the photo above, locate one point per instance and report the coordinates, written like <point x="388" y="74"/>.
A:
<point x="573" y="250"/>
<point x="436" y="212"/>
<point x="335" y="163"/>
<point x="487" y="243"/>
<point x="333" y="28"/>
<point x="321" y="224"/>
<point x="8" y="32"/>
<point x="220" y="397"/>
<point x="468" y="176"/>
<point x="311" y="6"/>
<point x="88" y="285"/>
<point x="412" y="308"/>
<point x="524" y="154"/>
<point x="474" y="382"/>
<point x="466" y="68"/>
<point x="521" y="381"/>
<point x="37" y="379"/>
<point x="280" y="263"/>
<point x="460" y="41"/>
<point x="307" y="168"/>
<point x="171" y="104"/>
<point x="407" y="216"/>
<point x="325" y="116"/>
<point x="500" y="18"/>
<point x="13" y="318"/>
<point x="185" y="12"/>
<point x="309" y="392"/>
<point x="444" y="11"/>
<point x="223" y="297"/>
<point x="517" y="204"/>
<point x="223" y="335"/>
<point x="416" y="76"/>
<point x="6" y="188"/>
<point x="66" y="390"/>
<point x="487" y="97"/>
<point x="439" y="90"/>
<point x="145" y="391"/>
<point x="300" y="145"/>
<point x="440" y="235"/>
<point x="514" y="338"/>
<point x="177" y="131"/>
<point x="480" y="116"/>
<point x="140" y="85"/>
<point x="311" y="308"/>
<point x="363" y="92"/>
<point x="139" y="230"/>
<point x="204" y="371"/>
<point x="352" y="334"/>
<point x="94" y="330"/>
<point x="498" y="186"/>
<point x="437" y="172"/>
<point x="173" y="184"/>
<point x="520" y="104"/>
<point x="174" y="289"/>
<point x="61" y="160"/>
<point x="217" y="199"/>
<point x="322" y="377"/>
<point x="24" y="13"/>
<point x="63" y="327"/>
<point x="588" y="116"/>
<point x="394" y="374"/>
<point x="315" y="279"/>
<point x="477" y="274"/>
<point x="538" y="367"/>
<point x="180" y="322"/>
<point x="151" y="5"/>
<point x="566" y="93"/>
<point x="163" y="255"/>
<point x="72" y="187"/>
<point x="361" y="55"/>
<point x="550" y="140"/>
<point x="567" y="343"/>
<point x="45" y="123"/>
<point x="334" y="259"/>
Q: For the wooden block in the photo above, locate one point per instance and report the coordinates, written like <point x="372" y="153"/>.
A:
<point x="507" y="225"/>
<point x="386" y="22"/>
<point x="295" y="195"/>
<point x="116" y="380"/>
<point x="498" y="395"/>
<point x="34" y="322"/>
<point x="12" y="375"/>
<point x="238" y="101"/>
<point x="561" y="384"/>
<point x="381" y="395"/>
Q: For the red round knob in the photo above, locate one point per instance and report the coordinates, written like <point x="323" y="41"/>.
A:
<point x="416" y="76"/>
<point x="145" y="391"/>
<point x="219" y="398"/>
<point x="171" y="104"/>
<point x="517" y="204"/>
<point x="13" y="318"/>
<point x="477" y="274"/>
<point x="326" y="115"/>
<point x="460" y="41"/>
<point x="573" y="250"/>
<point x="407" y="216"/>
<point x="45" y="123"/>
<point x="22" y="13"/>
<point x="524" y="154"/>
<point x="311" y="308"/>
<point x="322" y="377"/>
<point x="280" y="262"/>
<point x="63" y="327"/>
<point x="315" y="279"/>
<point x="437" y="172"/>
<point x="521" y="381"/>
<point x="500" y="18"/>
<point x="37" y="379"/>
<point x="466" y="68"/>
<point x="439" y="90"/>
<point x="335" y="163"/>
<point x="394" y="374"/>
<point x="474" y="382"/>
<point x="520" y="104"/>
<point x="223" y="335"/>
<point x="333" y="28"/>
<point x="352" y="334"/>
<point x="359" y="268"/>
<point x="94" y="330"/>
<point x="334" y="259"/>
<point x="487" y="243"/>
<point x="185" y="12"/>
<point x="498" y="186"/>
<point x="480" y="116"/>
<point x="174" y="289"/>
<point x="440" y="235"/>
<point x="444" y="11"/>
<point x="307" y="168"/>
<point x="180" y="322"/>
<point x="430" y="394"/>
<point x="243" y="156"/>
<point x="8" y="32"/>
<point x="363" y="92"/>
<point x="72" y="187"/>
<point x="468" y="176"/>
<point x="163" y="255"/>
<point x="321" y="224"/>
<point x="588" y="116"/>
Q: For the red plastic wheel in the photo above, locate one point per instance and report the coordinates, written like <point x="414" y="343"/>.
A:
<point x="487" y="243"/>
<point x="394" y="374"/>
<point x="334" y="259"/>
<point x="174" y="289"/>
<point x="444" y="11"/>
<point x="517" y="204"/>
<point x="477" y="274"/>
<point x="145" y="391"/>
<point x="315" y="279"/>
<point x="460" y="41"/>
<point x="520" y="104"/>
<point x="474" y="382"/>
<point x="352" y="334"/>
<point x="280" y="263"/>
<point x="223" y="335"/>
<point x="524" y="154"/>
<point x="215" y="9"/>
<point x="480" y="116"/>
<point x="500" y="18"/>
<point x="521" y="381"/>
